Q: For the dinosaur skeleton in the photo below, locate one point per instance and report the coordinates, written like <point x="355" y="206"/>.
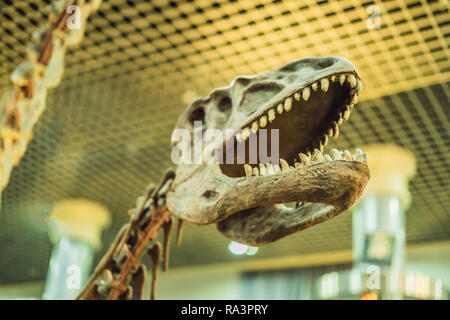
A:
<point x="307" y="99"/>
<point x="120" y="269"/>
<point x="21" y="107"/>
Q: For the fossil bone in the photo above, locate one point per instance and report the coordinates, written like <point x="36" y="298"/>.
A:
<point x="242" y="199"/>
<point x="23" y="104"/>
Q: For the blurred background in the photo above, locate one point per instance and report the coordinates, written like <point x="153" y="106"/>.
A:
<point x="105" y="135"/>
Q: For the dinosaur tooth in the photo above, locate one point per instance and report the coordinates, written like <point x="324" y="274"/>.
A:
<point x="333" y="78"/>
<point x="320" y="145"/>
<point x="280" y="108"/>
<point x="263" y="121"/>
<point x="324" y="84"/>
<point x="245" y="133"/>
<point x="255" y="127"/>
<point x="317" y="156"/>
<point x="358" y="152"/>
<point x="335" y="154"/>
<point x="352" y="80"/>
<point x="365" y="157"/>
<point x="255" y="171"/>
<point x="306" y="93"/>
<point x="346" y="115"/>
<point x="308" y="153"/>
<point x="248" y="170"/>
<point x="297" y="165"/>
<point x="325" y="139"/>
<point x="360" y="155"/>
<point x="288" y="104"/>
<point x="315" y="86"/>
<point x="355" y="99"/>
<point x="270" y="169"/>
<point x="271" y="115"/>
<point x="262" y="169"/>
<point x="238" y="137"/>
<point x="297" y="96"/>
<point x="304" y="159"/>
<point x="327" y="157"/>
<point x="335" y="130"/>
<point x="359" y="86"/>
<point x="330" y="132"/>
<point x="277" y="168"/>
<point x="340" y="120"/>
<point x="342" y="79"/>
<point x="284" y="165"/>
<point x="347" y="155"/>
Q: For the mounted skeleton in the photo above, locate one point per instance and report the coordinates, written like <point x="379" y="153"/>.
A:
<point x="306" y="101"/>
<point x="314" y="94"/>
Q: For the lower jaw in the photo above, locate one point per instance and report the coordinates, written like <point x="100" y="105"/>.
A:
<point x="263" y="225"/>
<point x="321" y="190"/>
<point x="337" y="183"/>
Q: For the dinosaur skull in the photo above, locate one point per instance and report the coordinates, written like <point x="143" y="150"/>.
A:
<point x="306" y="100"/>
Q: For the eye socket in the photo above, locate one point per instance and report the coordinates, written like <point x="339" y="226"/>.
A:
<point x="224" y="104"/>
<point x="197" y="115"/>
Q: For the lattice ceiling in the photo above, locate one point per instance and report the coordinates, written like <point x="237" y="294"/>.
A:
<point x="105" y="133"/>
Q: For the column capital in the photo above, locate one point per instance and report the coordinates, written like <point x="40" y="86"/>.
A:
<point x="81" y="219"/>
<point x="391" y="169"/>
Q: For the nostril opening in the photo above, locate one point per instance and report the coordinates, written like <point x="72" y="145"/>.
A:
<point x="197" y="115"/>
<point x="224" y="104"/>
<point x="325" y="63"/>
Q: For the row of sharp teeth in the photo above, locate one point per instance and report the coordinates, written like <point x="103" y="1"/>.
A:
<point x="304" y="94"/>
<point x="303" y="160"/>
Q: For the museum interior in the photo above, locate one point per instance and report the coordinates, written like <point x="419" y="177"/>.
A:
<point x="88" y="106"/>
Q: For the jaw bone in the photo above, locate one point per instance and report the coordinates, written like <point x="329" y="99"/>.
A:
<point x="325" y="189"/>
<point x="322" y="192"/>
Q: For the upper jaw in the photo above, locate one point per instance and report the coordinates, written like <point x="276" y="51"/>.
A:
<point x="311" y="114"/>
<point x="341" y="66"/>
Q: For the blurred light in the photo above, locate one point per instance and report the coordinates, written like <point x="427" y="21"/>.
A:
<point x="371" y="215"/>
<point x="355" y="281"/>
<point x="237" y="248"/>
<point x="438" y="290"/>
<point x="410" y="284"/>
<point x="330" y="285"/>
<point x="251" y="251"/>
<point x="370" y="296"/>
